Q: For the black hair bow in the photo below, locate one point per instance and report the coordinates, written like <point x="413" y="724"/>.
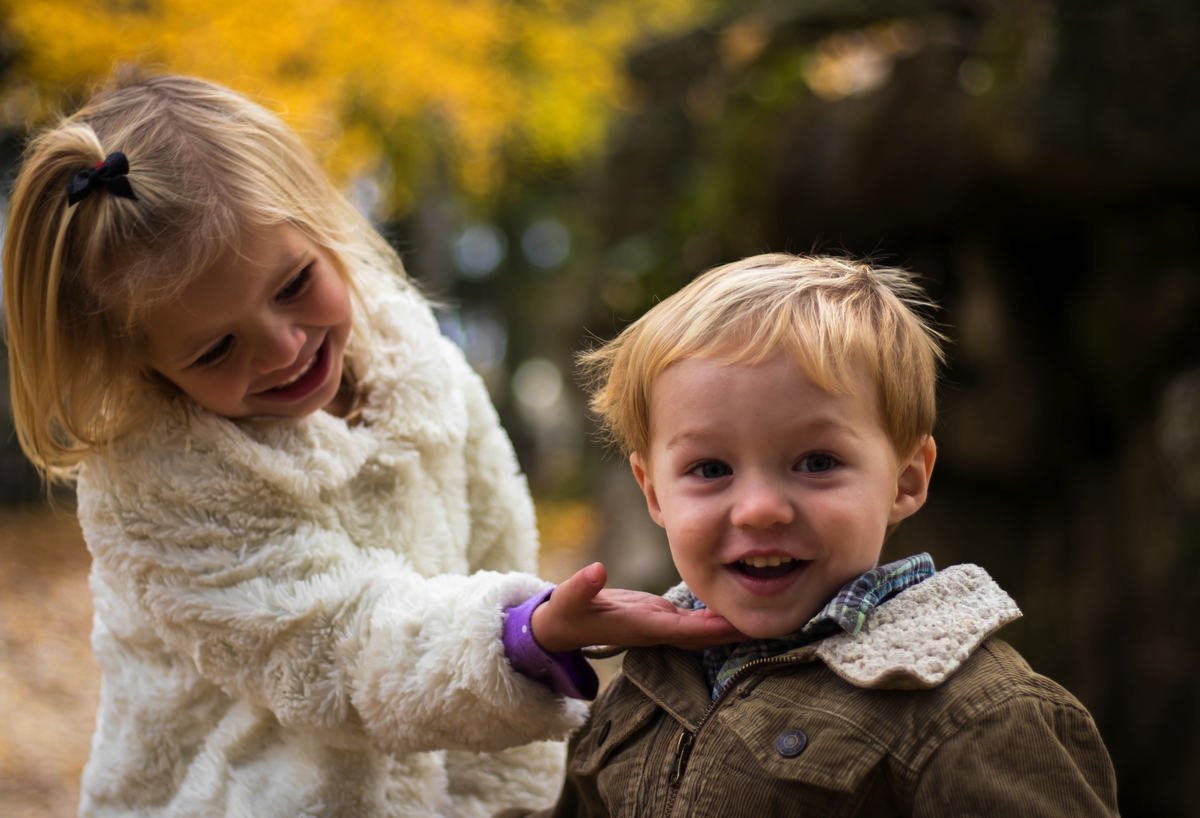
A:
<point x="109" y="174"/>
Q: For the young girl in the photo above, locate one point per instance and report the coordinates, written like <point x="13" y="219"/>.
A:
<point x="296" y="494"/>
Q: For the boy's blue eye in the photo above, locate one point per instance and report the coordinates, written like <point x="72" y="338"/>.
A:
<point x="816" y="463"/>
<point x="293" y="287"/>
<point x="713" y="469"/>
<point x="215" y="354"/>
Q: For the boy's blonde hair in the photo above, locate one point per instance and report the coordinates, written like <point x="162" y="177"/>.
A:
<point x="828" y="314"/>
<point x="208" y="167"/>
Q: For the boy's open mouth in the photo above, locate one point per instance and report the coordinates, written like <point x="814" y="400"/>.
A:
<point x="768" y="567"/>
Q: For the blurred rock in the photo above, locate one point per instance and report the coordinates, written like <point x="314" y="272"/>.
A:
<point x="1179" y="432"/>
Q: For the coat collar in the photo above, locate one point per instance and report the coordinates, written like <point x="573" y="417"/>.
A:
<point x="918" y="639"/>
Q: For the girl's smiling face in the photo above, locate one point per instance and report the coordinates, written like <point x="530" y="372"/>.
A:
<point x="263" y="335"/>
<point x="774" y="493"/>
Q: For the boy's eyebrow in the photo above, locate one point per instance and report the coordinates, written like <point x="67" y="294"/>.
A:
<point x="684" y="437"/>
<point x="814" y="426"/>
<point x="835" y="423"/>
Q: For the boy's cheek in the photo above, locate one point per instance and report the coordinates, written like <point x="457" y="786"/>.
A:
<point x="693" y="538"/>
<point x="848" y="518"/>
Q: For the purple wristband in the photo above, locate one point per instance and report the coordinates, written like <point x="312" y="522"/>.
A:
<point x="567" y="673"/>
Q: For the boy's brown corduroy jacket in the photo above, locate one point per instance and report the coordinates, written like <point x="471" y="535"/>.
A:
<point x="923" y="715"/>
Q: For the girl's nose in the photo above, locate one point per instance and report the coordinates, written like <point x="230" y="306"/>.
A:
<point x="278" y="347"/>
<point x="762" y="505"/>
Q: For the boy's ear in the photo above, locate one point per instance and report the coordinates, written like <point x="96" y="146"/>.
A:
<point x="643" y="478"/>
<point x="912" y="484"/>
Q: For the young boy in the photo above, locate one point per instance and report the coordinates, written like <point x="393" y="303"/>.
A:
<point x="777" y="413"/>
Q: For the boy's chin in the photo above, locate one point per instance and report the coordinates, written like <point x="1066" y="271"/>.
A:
<point x="756" y="625"/>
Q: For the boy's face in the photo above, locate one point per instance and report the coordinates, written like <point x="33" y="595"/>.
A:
<point x="773" y="492"/>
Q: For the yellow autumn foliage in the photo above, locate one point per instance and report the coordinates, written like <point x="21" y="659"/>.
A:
<point x="371" y="84"/>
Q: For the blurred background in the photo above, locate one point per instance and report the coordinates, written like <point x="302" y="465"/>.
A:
<point x="549" y="169"/>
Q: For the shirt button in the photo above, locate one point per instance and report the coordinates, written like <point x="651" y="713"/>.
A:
<point x="791" y="743"/>
<point x="604" y="732"/>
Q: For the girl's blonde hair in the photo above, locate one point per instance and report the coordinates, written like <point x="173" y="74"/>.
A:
<point x="208" y="166"/>
<point x="828" y="314"/>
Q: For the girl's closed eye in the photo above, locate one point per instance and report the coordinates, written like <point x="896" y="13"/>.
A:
<point x="712" y="469"/>
<point x="816" y="463"/>
<point x="296" y="286"/>
<point x="215" y="353"/>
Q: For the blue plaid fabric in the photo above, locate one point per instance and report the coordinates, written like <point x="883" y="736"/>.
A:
<point x="847" y="611"/>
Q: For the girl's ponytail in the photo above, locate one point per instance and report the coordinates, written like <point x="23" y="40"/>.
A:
<point x="55" y="364"/>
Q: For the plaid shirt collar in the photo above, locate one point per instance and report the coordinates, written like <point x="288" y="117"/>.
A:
<point x="847" y="611"/>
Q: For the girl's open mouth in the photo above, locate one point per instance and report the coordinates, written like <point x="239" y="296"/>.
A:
<point x="307" y="381"/>
<point x="768" y="567"/>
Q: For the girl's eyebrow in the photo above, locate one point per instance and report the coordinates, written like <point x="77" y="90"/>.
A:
<point x="195" y="350"/>
<point x="294" y="264"/>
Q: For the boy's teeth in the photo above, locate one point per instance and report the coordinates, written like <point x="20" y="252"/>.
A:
<point x="766" y="562"/>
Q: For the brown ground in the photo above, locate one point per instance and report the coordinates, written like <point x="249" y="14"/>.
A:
<point x="49" y="682"/>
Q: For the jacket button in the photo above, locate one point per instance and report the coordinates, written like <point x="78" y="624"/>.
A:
<point x="604" y="732"/>
<point x="791" y="743"/>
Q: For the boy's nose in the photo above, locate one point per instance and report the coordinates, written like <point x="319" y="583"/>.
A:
<point x="761" y="505"/>
<point x="278" y="348"/>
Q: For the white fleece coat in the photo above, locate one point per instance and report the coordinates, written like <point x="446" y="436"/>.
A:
<point x="305" y="619"/>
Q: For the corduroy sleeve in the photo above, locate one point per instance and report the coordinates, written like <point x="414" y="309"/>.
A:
<point x="1026" y="757"/>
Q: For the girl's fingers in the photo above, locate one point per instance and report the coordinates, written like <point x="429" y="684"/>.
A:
<point x="597" y="575"/>
<point x="683" y="629"/>
<point x="574" y="595"/>
<point x="708" y="631"/>
<point x="581" y="613"/>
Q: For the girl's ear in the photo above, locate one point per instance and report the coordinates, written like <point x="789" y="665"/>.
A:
<point x="642" y="475"/>
<point x="912" y="483"/>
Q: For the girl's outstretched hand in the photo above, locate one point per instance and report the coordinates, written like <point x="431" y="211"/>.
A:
<point x="580" y="613"/>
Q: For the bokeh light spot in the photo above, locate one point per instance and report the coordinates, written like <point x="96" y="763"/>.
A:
<point x="480" y="250"/>
<point x="975" y="77"/>
<point x="546" y="243"/>
<point x="537" y="384"/>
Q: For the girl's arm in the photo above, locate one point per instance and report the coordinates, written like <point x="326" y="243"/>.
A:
<point x="287" y="612"/>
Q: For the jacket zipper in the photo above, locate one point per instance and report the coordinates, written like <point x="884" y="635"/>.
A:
<point x="686" y="740"/>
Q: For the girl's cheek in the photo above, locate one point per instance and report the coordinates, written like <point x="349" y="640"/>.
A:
<point x="228" y="390"/>
<point x="336" y="300"/>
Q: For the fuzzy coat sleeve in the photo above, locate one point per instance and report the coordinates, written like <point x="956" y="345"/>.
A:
<point x="278" y="594"/>
<point x="501" y="511"/>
